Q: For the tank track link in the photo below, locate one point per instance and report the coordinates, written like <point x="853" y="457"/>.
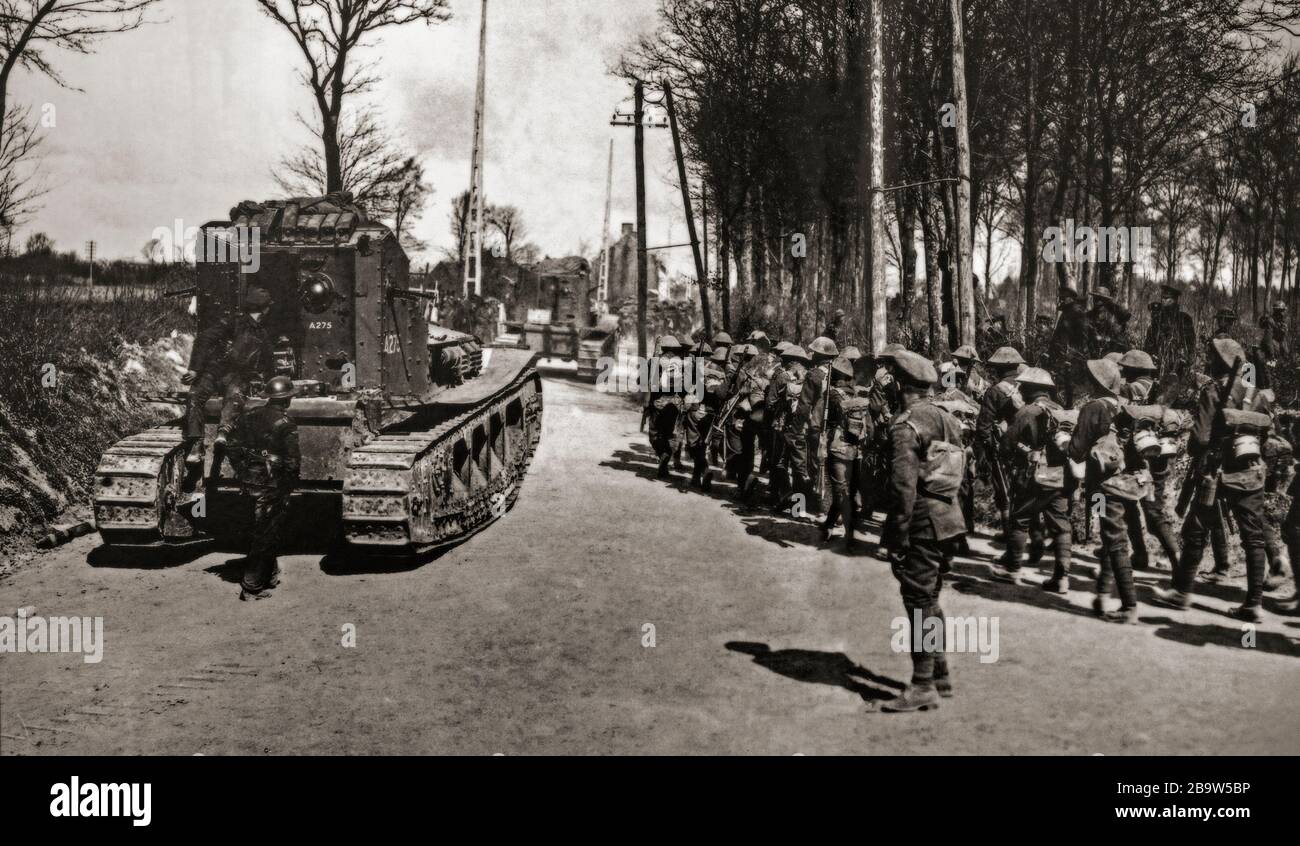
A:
<point x="414" y="492"/>
<point x="137" y="485"/>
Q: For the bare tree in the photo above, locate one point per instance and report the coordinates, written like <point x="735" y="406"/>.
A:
<point x="330" y="35"/>
<point x="510" y="223"/>
<point x="372" y="166"/>
<point x="458" y="219"/>
<point x="409" y="196"/>
<point x="29" y="29"/>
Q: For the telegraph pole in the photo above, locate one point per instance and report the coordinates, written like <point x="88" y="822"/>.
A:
<point x="875" y="284"/>
<point x="603" y="288"/>
<point x="90" y="252"/>
<point x="965" y="288"/>
<point x="700" y="276"/>
<point x="474" y="214"/>
<point x="642" y="266"/>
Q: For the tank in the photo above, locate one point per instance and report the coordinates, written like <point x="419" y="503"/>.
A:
<point x="553" y="317"/>
<point x="412" y="437"/>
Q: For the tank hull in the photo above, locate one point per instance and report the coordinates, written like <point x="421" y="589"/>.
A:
<point x="402" y="475"/>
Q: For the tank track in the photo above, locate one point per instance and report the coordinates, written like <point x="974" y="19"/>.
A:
<point x="137" y="485"/>
<point x="413" y="492"/>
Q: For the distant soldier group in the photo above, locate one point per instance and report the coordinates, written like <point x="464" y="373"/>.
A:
<point x="842" y="435"/>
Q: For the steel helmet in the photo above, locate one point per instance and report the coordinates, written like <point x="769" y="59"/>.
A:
<point x="280" y="387"/>
<point x="1137" y="360"/>
<point x="1037" y="376"/>
<point x="1106" y="374"/>
<point x="843" y="367"/>
<point x="824" y="346"/>
<point x="851" y="353"/>
<point x="966" y="352"/>
<point x="1006" y="357"/>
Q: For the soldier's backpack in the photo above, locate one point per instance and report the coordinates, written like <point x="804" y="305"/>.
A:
<point x="855" y="414"/>
<point x="1107" y="455"/>
<point x="1041" y="470"/>
<point x="1140" y="425"/>
<point x="944" y="467"/>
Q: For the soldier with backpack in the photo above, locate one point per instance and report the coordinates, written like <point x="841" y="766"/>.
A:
<point x="1228" y="469"/>
<point x="1041" y="481"/>
<point x="924" y="523"/>
<point x="1114" y="476"/>
<point x="849" y="429"/>
<point x="789" y="456"/>
<point x="1001" y="402"/>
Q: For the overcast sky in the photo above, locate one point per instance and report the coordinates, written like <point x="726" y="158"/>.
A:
<point x="187" y="117"/>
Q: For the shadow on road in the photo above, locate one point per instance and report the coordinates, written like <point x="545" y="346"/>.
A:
<point x="832" y="668"/>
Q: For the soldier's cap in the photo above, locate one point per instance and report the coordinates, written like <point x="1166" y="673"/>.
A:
<point x="843" y="367"/>
<point x="915" y="369"/>
<point x="782" y="347"/>
<point x="720" y="354"/>
<point x="669" y="342"/>
<point x="966" y="353"/>
<point x="824" y="347"/>
<point x="795" y="352"/>
<point x="1170" y="291"/>
<point x="1154" y="305"/>
<point x="1103" y="293"/>
<point x="703" y="348"/>
<point x="851" y="353"/>
<point x="1106" y="375"/>
<point x="1137" y="360"/>
<point x="1225" y="314"/>
<point x="722" y="339"/>
<point x="839" y="312"/>
<point x="1065" y="295"/>
<point x="1279" y="306"/>
<point x="1228" y="351"/>
<point x="257" y="298"/>
<point x="888" y="351"/>
<point x="1006" y="357"/>
<point x="1113" y="356"/>
<point x="1036" y="376"/>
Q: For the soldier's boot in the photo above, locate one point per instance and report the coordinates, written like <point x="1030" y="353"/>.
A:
<point x="1277" y="567"/>
<point x="1219" y="546"/>
<point x="677" y="460"/>
<point x="1036" y="549"/>
<point x="917" y="697"/>
<point x="696" y="480"/>
<point x="194" y="451"/>
<point x="846" y="509"/>
<point x="663" y="466"/>
<point x="1008" y="566"/>
<point x="777" y="487"/>
<point x="1256" y="571"/>
<point x="1060" y="580"/>
<point x="825" y="526"/>
<point x="706" y="480"/>
<point x="1127" y="589"/>
<point x="942" y="678"/>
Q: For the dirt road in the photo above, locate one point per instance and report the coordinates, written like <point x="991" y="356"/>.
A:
<point x="535" y="638"/>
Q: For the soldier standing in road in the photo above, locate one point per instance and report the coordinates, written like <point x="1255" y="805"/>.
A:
<point x="1114" y="474"/>
<point x="924" y="524"/>
<point x="813" y="403"/>
<point x="998" y="408"/>
<point x="789" y="459"/>
<point x="848" y="430"/>
<point x="1222" y="475"/>
<point x="666" y="403"/>
<point x="1138" y="371"/>
<point x="266" y="459"/>
<point x="1041" y="482"/>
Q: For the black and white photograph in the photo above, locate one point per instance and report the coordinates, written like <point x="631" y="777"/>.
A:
<point x="651" y="378"/>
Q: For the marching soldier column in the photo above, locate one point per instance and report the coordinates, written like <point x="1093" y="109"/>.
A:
<point x="1089" y="432"/>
